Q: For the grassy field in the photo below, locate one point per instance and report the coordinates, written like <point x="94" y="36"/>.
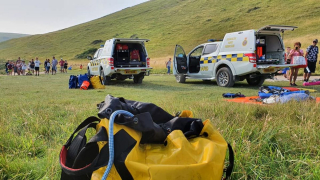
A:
<point x="167" y="23"/>
<point x="38" y="114"/>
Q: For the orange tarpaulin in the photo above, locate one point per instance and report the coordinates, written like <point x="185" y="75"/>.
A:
<point x="249" y="100"/>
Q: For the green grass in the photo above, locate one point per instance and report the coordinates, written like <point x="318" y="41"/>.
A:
<point x="167" y="23"/>
<point x="38" y="114"/>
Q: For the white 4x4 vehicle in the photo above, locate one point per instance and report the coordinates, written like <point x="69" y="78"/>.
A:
<point x="251" y="55"/>
<point x="120" y="59"/>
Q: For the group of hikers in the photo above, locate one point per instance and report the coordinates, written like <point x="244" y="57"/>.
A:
<point x="311" y="56"/>
<point x="20" y="67"/>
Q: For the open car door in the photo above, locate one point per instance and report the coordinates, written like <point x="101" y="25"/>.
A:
<point x="276" y="28"/>
<point x="180" y="60"/>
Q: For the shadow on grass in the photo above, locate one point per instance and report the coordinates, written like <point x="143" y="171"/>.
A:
<point x="147" y="85"/>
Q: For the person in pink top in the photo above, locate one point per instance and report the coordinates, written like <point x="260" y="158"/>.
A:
<point x="294" y="71"/>
<point x="61" y="62"/>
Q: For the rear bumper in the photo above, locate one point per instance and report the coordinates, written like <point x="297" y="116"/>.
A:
<point x="132" y="71"/>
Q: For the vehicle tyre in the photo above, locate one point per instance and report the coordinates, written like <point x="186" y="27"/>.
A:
<point x="224" y="77"/>
<point x="105" y="80"/>
<point x="137" y="79"/>
<point x="181" y="78"/>
<point x="257" y="81"/>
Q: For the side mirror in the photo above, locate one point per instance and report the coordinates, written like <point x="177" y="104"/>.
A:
<point x="89" y="57"/>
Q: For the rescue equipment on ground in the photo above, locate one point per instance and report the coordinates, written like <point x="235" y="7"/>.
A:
<point x="96" y="83"/>
<point x="73" y="82"/>
<point x="81" y="78"/>
<point x="267" y="91"/>
<point x="144" y="142"/>
<point x="312" y="83"/>
<point x="85" y="85"/>
<point x="232" y="95"/>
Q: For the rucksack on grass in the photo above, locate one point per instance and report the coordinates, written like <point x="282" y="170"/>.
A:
<point x="136" y="140"/>
<point x="73" y="82"/>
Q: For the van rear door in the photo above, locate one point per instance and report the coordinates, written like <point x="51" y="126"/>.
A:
<point x="276" y="28"/>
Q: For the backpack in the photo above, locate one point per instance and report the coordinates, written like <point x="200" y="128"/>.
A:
<point x="96" y="83"/>
<point x="73" y="82"/>
<point x="85" y="85"/>
<point x="136" y="140"/>
<point x="81" y="78"/>
<point x="134" y="55"/>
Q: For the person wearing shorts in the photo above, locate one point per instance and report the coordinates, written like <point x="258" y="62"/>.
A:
<point x="61" y="62"/>
<point x="65" y="66"/>
<point x="37" y="66"/>
<point x="10" y="67"/>
<point x="32" y="66"/>
<point x="312" y="57"/>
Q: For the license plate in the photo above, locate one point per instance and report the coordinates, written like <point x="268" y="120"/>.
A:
<point x="268" y="70"/>
<point x="130" y="72"/>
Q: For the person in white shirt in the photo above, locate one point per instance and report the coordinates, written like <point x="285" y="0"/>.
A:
<point x="24" y="68"/>
<point x="37" y="66"/>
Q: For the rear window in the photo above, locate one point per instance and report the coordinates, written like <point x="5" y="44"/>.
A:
<point x="210" y="48"/>
<point x="273" y="43"/>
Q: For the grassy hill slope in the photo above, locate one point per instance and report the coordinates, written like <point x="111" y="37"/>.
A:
<point x="8" y="36"/>
<point x="166" y="23"/>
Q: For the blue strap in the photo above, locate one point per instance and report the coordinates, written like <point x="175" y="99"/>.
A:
<point x="111" y="143"/>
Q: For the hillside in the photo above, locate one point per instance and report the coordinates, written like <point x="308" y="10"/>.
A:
<point x="166" y="23"/>
<point x="8" y="36"/>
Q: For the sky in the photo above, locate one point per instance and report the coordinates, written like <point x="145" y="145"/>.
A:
<point x="43" y="16"/>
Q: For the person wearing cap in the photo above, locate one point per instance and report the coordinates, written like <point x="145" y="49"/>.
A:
<point x="312" y="57"/>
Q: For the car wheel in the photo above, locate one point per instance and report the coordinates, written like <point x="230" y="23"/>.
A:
<point x="224" y="77"/>
<point x="137" y="79"/>
<point x="105" y="80"/>
<point x="257" y="81"/>
<point x="180" y="78"/>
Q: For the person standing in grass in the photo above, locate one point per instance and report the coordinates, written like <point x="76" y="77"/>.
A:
<point x="48" y="66"/>
<point x="10" y="67"/>
<point x="6" y="66"/>
<point x="45" y="65"/>
<point x="312" y="57"/>
<point x="19" y="66"/>
<point x="24" y="67"/>
<point x="294" y="71"/>
<point x="32" y="66"/>
<point x="54" y="65"/>
<point x="168" y="65"/>
<point x="15" y="70"/>
<point x="37" y="66"/>
<point x="65" y="66"/>
<point x="61" y="62"/>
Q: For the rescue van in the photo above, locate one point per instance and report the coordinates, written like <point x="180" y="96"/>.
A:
<point x="120" y="59"/>
<point x="251" y="55"/>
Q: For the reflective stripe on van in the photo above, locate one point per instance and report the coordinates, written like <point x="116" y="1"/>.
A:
<point x="228" y="57"/>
